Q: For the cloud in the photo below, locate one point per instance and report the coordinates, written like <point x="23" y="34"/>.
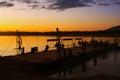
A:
<point x="104" y="4"/>
<point x="33" y="4"/>
<point x="6" y="4"/>
<point x="117" y="2"/>
<point x="57" y="4"/>
<point x="29" y="1"/>
<point x="65" y="4"/>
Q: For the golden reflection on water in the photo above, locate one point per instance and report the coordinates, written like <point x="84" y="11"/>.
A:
<point x="8" y="43"/>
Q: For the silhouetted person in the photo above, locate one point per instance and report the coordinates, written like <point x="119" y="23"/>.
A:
<point x="58" y="46"/>
<point x="79" y="43"/>
<point x="62" y="46"/>
<point x="46" y="48"/>
<point x="73" y="44"/>
<point x="63" y="49"/>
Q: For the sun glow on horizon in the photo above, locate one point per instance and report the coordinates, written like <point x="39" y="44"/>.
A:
<point x="77" y="19"/>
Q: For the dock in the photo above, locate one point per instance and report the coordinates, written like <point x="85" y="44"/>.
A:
<point x="47" y="63"/>
<point x="41" y="57"/>
<point x="61" y="52"/>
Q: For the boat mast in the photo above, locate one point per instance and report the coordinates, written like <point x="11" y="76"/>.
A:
<point x="19" y="45"/>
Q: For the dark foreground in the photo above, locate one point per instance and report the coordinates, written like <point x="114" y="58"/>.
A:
<point x="39" y="67"/>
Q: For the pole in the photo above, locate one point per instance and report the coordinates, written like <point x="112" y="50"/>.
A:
<point x="20" y="49"/>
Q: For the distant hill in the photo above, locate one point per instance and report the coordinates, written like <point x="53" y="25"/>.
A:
<point x="111" y="32"/>
<point x="115" y="28"/>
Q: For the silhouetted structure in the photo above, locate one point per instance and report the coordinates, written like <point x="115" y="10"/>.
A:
<point x="46" y="48"/>
<point x="34" y="49"/>
<point x="20" y="48"/>
<point x="58" y="46"/>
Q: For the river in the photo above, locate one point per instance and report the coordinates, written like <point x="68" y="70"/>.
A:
<point x="8" y="43"/>
<point x="106" y="64"/>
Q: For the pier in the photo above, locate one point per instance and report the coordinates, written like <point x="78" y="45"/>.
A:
<point x="48" y="62"/>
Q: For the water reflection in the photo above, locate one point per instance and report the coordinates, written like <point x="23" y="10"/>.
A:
<point x="84" y="67"/>
<point x="95" y="61"/>
<point x="108" y="63"/>
<point x="116" y="56"/>
<point x="62" y="75"/>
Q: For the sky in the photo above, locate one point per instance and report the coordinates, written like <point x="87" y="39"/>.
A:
<point x="67" y="15"/>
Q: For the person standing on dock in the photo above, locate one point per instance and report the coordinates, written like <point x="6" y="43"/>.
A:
<point x="58" y="46"/>
<point x="63" y="49"/>
<point x="79" y="43"/>
<point x="84" y="46"/>
<point x="46" y="48"/>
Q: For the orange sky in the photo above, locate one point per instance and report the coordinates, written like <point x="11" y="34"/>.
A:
<point x="78" y="19"/>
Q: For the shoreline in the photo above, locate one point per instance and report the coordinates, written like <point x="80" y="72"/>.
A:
<point x="69" y="33"/>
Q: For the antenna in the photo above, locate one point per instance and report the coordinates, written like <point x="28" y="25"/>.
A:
<point x="19" y="45"/>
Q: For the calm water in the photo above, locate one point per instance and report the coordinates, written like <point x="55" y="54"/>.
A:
<point x="8" y="43"/>
<point x="107" y="64"/>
